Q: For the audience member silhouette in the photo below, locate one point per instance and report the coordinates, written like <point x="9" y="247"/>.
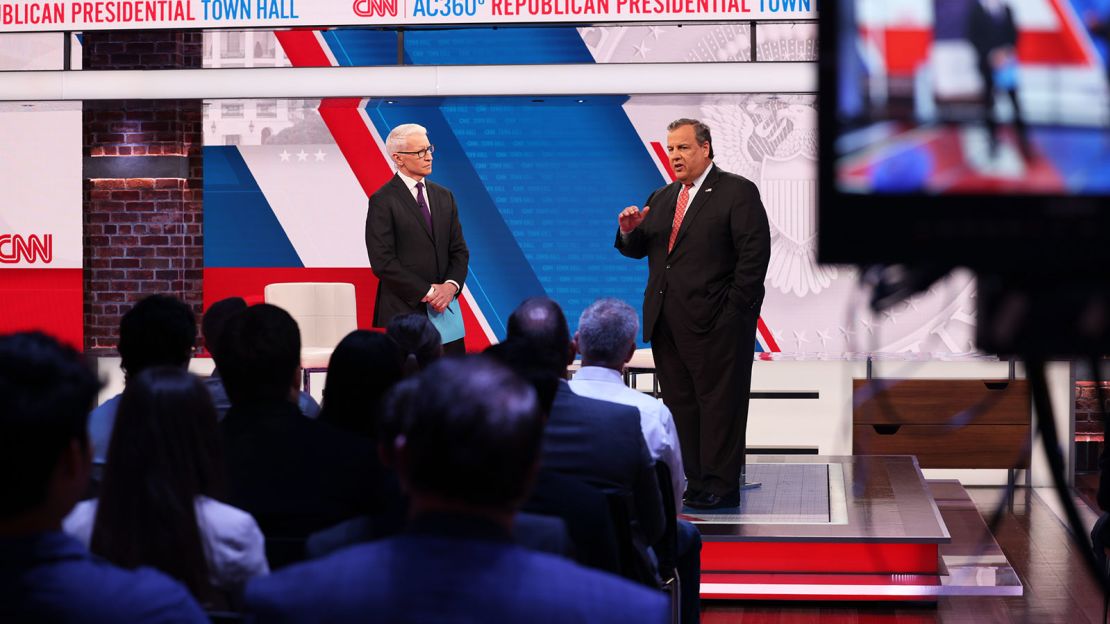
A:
<point x="212" y="329"/>
<point x="295" y="475"/>
<point x="467" y="446"/>
<point x="597" y="441"/>
<point x="582" y="507"/>
<point x="45" y="575"/>
<point x="418" y="340"/>
<point x="159" y="504"/>
<point x="159" y="330"/>
<point x="362" y="370"/>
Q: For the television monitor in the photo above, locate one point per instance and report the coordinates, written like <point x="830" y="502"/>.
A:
<point x="966" y="132"/>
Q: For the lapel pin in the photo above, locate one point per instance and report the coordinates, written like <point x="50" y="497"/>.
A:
<point x="708" y="190"/>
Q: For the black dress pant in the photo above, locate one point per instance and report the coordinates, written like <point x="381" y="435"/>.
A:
<point x="705" y="379"/>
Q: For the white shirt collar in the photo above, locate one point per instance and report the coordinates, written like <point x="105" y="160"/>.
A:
<point x="409" y="182"/>
<point x="697" y="183"/>
<point x="599" y="373"/>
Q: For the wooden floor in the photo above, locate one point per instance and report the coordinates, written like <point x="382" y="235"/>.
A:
<point x="1057" y="589"/>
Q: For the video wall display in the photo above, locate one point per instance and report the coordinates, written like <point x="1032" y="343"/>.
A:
<point x="689" y="43"/>
<point x="973" y="97"/>
<point x="40" y="219"/>
<point x="539" y="183"/>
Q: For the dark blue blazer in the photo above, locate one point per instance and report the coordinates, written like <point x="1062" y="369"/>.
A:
<point x="602" y="444"/>
<point x="51" y="577"/>
<point x="456" y="570"/>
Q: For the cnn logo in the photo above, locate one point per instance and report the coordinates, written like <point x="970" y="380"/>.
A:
<point x="16" y="248"/>
<point x="375" y="8"/>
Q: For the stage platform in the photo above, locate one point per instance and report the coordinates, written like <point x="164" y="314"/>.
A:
<point x="842" y="528"/>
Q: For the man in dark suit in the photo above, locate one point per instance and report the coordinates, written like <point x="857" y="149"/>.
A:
<point x="708" y="244"/>
<point x="992" y="32"/>
<point x="413" y="236"/>
<point x="45" y="460"/>
<point x="466" y="447"/>
<point x="598" y="442"/>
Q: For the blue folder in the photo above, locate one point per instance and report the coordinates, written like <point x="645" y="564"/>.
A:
<point x="449" y="322"/>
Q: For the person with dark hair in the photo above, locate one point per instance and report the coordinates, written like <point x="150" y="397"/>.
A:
<point x="295" y="475"/>
<point x="582" y="507"/>
<point x="596" y="441"/>
<point x="212" y="329"/>
<point x="46" y="576"/>
<point x="418" y="340"/>
<point x="159" y="504"/>
<point x="467" y="447"/>
<point x="159" y="330"/>
<point x="708" y="244"/>
<point x="362" y="370"/>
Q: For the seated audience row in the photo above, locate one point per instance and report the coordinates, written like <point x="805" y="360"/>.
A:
<point x="460" y="449"/>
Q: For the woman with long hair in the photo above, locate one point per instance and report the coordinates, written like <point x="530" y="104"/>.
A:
<point x="363" y="368"/>
<point x="158" y="503"/>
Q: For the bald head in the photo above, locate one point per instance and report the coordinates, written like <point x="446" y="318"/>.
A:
<point x="540" y="322"/>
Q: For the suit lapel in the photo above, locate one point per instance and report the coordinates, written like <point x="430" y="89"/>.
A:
<point x="705" y="193"/>
<point x="411" y="207"/>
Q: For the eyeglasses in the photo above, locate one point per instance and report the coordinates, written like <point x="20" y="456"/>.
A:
<point x="421" y="153"/>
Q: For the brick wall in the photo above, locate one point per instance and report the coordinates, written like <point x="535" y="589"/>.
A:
<point x="1088" y="424"/>
<point x="143" y="234"/>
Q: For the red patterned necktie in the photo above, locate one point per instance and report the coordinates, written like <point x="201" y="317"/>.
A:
<point x="679" y="213"/>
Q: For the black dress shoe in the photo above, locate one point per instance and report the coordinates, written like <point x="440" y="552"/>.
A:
<point x="708" y="500"/>
<point x="692" y="495"/>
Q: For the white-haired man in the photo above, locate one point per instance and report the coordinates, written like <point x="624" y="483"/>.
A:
<point x="413" y="236"/>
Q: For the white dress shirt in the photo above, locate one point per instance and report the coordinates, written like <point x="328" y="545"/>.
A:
<point x="656" y="422"/>
<point x="411" y="184"/>
<point x="698" y="183"/>
<point x="232" y="540"/>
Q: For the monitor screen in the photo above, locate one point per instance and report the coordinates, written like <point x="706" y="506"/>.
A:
<point x="964" y="130"/>
<point x="973" y="96"/>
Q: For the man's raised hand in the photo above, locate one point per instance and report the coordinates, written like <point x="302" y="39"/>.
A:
<point x="631" y="217"/>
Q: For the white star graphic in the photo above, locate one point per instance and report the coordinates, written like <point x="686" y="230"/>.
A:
<point x="642" y="49"/>
<point x="847" y="333"/>
<point x="284" y="155"/>
<point x="320" y="155"/>
<point x="890" y="315"/>
<point x="655" y="30"/>
<point x="799" y="338"/>
<point x="868" y="325"/>
<point x="302" y="156"/>
<point x="824" y="337"/>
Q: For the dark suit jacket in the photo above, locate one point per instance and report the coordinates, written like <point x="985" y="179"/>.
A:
<point x="404" y="255"/>
<point x="602" y="444"/>
<point x="585" y="511"/>
<point x="51" y="577"/>
<point x="296" y="475"/>
<point x="720" y="257"/>
<point x="986" y="33"/>
<point x="449" y="569"/>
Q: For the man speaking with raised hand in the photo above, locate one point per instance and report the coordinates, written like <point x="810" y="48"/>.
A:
<point x="708" y="244"/>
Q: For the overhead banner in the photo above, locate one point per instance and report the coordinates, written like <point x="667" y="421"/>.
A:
<point x="36" y="15"/>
